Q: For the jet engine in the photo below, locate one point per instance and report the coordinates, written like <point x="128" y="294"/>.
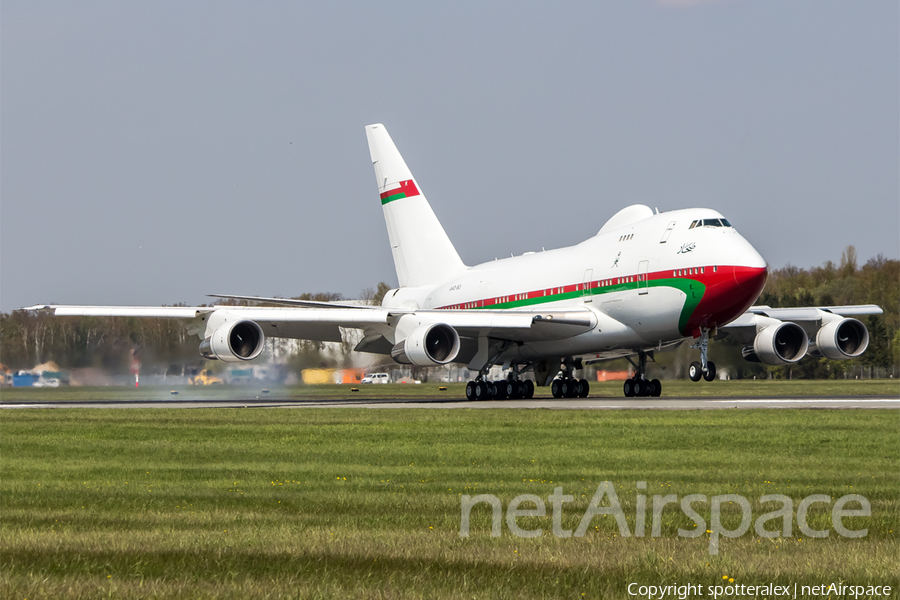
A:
<point x="778" y="344"/>
<point x="841" y="339"/>
<point x="428" y="346"/>
<point x="236" y="341"/>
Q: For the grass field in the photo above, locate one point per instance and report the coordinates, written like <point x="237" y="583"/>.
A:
<point x="243" y="503"/>
<point x="611" y="389"/>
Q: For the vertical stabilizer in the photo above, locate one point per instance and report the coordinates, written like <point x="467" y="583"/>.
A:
<point x="423" y="254"/>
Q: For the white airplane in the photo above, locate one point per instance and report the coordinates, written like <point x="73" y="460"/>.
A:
<point x="645" y="283"/>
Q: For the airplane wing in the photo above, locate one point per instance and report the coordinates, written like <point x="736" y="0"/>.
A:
<point x="227" y="329"/>
<point x="157" y="312"/>
<point x="778" y="336"/>
<point x="803" y="316"/>
<point x="812" y="313"/>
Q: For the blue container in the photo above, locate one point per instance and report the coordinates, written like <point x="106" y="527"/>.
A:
<point x="24" y="379"/>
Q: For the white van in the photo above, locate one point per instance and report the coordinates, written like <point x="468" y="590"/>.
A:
<point x="376" y="378"/>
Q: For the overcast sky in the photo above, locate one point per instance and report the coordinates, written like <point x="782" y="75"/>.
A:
<point x="155" y="152"/>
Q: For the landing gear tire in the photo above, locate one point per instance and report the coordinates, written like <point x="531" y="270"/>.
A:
<point x="520" y="389"/>
<point x="583" y="388"/>
<point x="695" y="372"/>
<point x="470" y="391"/>
<point x="710" y="371"/>
<point x="628" y="388"/>
<point x="500" y="391"/>
<point x="529" y="389"/>
<point x="481" y="390"/>
<point x="641" y="388"/>
<point x="556" y="388"/>
<point x="561" y="388"/>
<point x="655" y="388"/>
<point x="517" y="389"/>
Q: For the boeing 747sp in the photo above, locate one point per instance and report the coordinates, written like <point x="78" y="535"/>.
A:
<point x="645" y="283"/>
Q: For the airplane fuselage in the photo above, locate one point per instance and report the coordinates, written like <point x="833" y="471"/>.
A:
<point x="650" y="282"/>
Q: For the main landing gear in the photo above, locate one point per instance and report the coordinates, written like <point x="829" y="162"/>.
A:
<point x="512" y="387"/>
<point x="567" y="386"/>
<point x="705" y="369"/>
<point x="639" y="386"/>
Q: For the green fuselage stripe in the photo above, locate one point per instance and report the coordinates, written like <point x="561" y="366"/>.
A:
<point x="692" y="289"/>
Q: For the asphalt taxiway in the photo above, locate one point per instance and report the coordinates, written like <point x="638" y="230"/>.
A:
<point x="712" y="403"/>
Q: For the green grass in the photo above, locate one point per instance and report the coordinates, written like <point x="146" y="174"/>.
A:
<point x="345" y="502"/>
<point x="611" y="389"/>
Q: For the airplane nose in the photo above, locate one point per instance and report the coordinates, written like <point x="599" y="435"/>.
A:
<point x="751" y="279"/>
<point x="750" y="272"/>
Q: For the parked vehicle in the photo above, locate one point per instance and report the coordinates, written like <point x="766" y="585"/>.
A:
<point x="51" y="382"/>
<point x="376" y="378"/>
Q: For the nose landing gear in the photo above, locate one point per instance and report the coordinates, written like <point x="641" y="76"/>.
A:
<point x="705" y="369"/>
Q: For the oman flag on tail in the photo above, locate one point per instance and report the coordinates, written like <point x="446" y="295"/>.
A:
<point x="406" y="189"/>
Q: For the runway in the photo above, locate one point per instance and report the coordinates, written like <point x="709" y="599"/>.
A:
<point x="847" y="402"/>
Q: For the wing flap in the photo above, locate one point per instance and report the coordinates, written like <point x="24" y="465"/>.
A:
<point x="293" y="302"/>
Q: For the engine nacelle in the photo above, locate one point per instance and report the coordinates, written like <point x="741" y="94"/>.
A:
<point x="234" y="342"/>
<point x="778" y="344"/>
<point x="428" y="346"/>
<point x="842" y="339"/>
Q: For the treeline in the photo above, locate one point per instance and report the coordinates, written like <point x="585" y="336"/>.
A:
<point x="29" y="338"/>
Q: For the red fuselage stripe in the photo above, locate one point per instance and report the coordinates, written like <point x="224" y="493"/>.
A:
<point x="727" y="291"/>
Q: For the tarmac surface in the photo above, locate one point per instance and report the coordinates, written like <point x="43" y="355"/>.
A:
<point x="846" y="402"/>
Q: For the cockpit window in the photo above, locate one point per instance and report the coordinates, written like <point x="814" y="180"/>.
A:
<point x="713" y="223"/>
